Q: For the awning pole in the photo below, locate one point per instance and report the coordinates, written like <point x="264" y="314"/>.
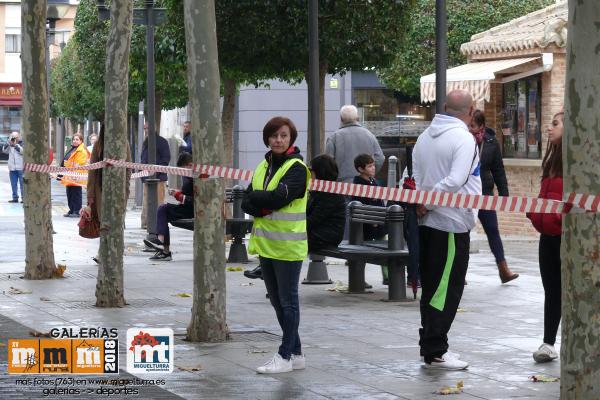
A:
<point x="441" y="55"/>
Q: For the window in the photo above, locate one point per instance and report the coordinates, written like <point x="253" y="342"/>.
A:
<point x="13" y="43"/>
<point x="521" y="112"/>
<point x="10" y="119"/>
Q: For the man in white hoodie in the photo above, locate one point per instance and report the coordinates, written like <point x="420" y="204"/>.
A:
<point x="445" y="159"/>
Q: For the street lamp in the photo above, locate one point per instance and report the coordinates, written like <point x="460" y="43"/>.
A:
<point x="150" y="17"/>
<point x="56" y="9"/>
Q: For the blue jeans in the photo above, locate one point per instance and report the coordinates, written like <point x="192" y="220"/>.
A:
<point x="489" y="221"/>
<point x="16" y="176"/>
<point x="281" y="279"/>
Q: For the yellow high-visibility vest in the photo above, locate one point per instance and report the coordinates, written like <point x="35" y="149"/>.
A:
<point x="280" y="235"/>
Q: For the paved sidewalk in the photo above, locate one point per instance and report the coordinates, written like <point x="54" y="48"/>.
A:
<point x="357" y="346"/>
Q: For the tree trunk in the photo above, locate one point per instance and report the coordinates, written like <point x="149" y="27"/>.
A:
<point x="208" y="322"/>
<point x="229" y="92"/>
<point x="323" y="67"/>
<point x="39" y="248"/>
<point x="109" y="287"/>
<point x="580" y="354"/>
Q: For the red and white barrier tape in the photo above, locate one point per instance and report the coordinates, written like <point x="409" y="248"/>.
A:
<point x="518" y="204"/>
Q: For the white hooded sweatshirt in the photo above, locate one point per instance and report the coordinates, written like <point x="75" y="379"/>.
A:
<point x="446" y="159"/>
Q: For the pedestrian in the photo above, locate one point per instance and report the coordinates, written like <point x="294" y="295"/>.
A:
<point x="170" y="212"/>
<point x="549" y="226"/>
<point x="163" y="156"/>
<point x="75" y="157"/>
<point x="14" y="149"/>
<point x="93" y="138"/>
<point x="277" y="198"/>
<point x="445" y="159"/>
<point x="350" y="140"/>
<point x="364" y="164"/>
<point x="325" y="212"/>
<point x="94" y="182"/>
<point x="186" y="146"/>
<point x="492" y="173"/>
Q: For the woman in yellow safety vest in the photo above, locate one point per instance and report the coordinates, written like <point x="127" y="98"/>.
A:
<point x="277" y="199"/>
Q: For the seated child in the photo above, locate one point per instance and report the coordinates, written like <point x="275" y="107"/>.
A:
<point x="170" y="212"/>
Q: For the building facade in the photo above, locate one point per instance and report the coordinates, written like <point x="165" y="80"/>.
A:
<point x="516" y="72"/>
<point x="10" y="57"/>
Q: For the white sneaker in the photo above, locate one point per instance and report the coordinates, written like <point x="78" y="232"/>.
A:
<point x="446" y="362"/>
<point x="275" y="365"/>
<point x="451" y="354"/>
<point x="545" y="353"/>
<point x="298" y="361"/>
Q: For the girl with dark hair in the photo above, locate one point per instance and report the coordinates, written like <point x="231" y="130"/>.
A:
<point x="326" y="212"/>
<point x="550" y="226"/>
<point x="492" y="173"/>
<point x="94" y="182"/>
<point x="277" y="199"/>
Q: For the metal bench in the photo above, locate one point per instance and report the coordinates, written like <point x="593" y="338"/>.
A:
<point x="358" y="252"/>
<point x="237" y="227"/>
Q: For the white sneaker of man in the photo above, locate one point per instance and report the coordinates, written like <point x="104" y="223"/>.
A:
<point x="298" y="361"/>
<point x="275" y="365"/>
<point x="545" y="353"/>
<point x="446" y="362"/>
<point x="449" y="354"/>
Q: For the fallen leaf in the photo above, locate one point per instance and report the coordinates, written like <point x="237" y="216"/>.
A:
<point x="247" y="284"/>
<point x="190" y="369"/>
<point x="543" y="378"/>
<point x="338" y="287"/>
<point x="231" y="269"/>
<point x="254" y="351"/>
<point x="14" y="290"/>
<point x="451" y="389"/>
<point x="59" y="271"/>
<point x="461" y="310"/>
<point x="183" y="295"/>
<point x="44" y="299"/>
<point x="39" y="334"/>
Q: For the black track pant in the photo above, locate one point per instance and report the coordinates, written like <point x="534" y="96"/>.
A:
<point x="443" y="262"/>
<point x="550" y="272"/>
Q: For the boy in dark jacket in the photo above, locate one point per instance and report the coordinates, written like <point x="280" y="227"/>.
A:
<point x="365" y="165"/>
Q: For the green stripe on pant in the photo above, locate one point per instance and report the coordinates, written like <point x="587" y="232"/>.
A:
<point x="438" y="301"/>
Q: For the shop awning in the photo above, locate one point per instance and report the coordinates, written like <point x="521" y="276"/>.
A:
<point x="476" y="77"/>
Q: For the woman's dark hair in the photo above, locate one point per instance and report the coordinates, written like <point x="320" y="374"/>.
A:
<point x="478" y="118"/>
<point x="324" y="167"/>
<point x="362" y="160"/>
<point x="184" y="159"/>
<point x="274" y="124"/>
<point x="552" y="164"/>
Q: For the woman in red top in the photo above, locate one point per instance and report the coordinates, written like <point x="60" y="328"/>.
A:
<point x="549" y="226"/>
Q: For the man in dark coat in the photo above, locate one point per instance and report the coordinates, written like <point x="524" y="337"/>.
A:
<point x="163" y="156"/>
